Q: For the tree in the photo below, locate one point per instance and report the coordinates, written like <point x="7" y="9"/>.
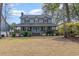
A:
<point x="1" y="5"/>
<point x="50" y="7"/>
<point x="6" y="15"/>
<point x="13" y="26"/>
<point x="67" y="15"/>
<point x="54" y="7"/>
<point x="75" y="9"/>
<point x="67" y="12"/>
<point x="5" y="18"/>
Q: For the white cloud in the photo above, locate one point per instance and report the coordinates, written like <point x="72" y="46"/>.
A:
<point x="36" y="12"/>
<point x="12" y="4"/>
<point x="15" y="12"/>
<point x="61" y="5"/>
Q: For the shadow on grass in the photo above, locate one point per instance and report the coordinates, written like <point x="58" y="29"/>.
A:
<point x="73" y="39"/>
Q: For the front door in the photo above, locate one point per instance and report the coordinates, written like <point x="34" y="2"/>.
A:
<point x="36" y="30"/>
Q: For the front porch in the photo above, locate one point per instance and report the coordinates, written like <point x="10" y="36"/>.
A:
<point x="36" y="30"/>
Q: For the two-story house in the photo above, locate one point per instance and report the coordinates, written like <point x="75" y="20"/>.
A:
<point x="36" y="23"/>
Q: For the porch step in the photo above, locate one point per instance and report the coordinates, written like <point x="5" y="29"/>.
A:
<point x="35" y="34"/>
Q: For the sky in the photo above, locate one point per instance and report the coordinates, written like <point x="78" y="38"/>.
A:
<point x="14" y="11"/>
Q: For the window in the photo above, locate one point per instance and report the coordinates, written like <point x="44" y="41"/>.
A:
<point x="29" y="28"/>
<point x="45" y="20"/>
<point x="31" y="20"/>
<point x="23" y="20"/>
<point x="27" y="21"/>
<point x="49" y="20"/>
<point x="41" y="20"/>
<point x="23" y="29"/>
<point x="49" y="28"/>
<point x="54" y="28"/>
<point x="36" y="20"/>
<point x="41" y="28"/>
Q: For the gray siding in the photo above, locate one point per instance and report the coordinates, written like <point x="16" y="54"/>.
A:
<point x="36" y="19"/>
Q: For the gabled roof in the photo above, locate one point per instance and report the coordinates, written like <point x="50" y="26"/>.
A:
<point x="37" y="16"/>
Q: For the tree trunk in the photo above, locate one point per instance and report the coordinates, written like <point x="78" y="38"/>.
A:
<point x="65" y="29"/>
<point x="6" y="18"/>
<point x="66" y="8"/>
<point x="1" y="4"/>
<point x="67" y="12"/>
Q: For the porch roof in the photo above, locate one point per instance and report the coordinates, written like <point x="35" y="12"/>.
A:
<point x="36" y="24"/>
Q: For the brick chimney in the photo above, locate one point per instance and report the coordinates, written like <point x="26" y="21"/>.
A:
<point x="22" y="13"/>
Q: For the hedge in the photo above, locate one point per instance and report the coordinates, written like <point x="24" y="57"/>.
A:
<point x="72" y="28"/>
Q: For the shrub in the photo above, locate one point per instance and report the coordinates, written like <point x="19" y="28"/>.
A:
<point x="13" y="34"/>
<point x="61" y="30"/>
<point x="24" y="33"/>
<point x="72" y="28"/>
<point x="29" y="33"/>
<point x="77" y="28"/>
<point x="2" y="35"/>
<point x="56" y="33"/>
<point x="50" y="32"/>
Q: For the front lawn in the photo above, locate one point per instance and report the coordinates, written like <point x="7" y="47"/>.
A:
<point x="38" y="45"/>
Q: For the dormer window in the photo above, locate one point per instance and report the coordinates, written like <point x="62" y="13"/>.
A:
<point x="45" y="21"/>
<point x="36" y="20"/>
<point x="27" y="21"/>
<point x="49" y="20"/>
<point x="31" y="20"/>
<point x="23" y="21"/>
<point x="40" y="20"/>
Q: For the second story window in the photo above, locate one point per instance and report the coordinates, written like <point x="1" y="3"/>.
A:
<point x="45" y="20"/>
<point x="31" y="20"/>
<point x="41" y="20"/>
<point x="49" y="20"/>
<point x="36" y="20"/>
<point x="27" y="21"/>
<point x="22" y="20"/>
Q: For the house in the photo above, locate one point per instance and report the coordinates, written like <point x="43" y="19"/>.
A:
<point x="36" y="23"/>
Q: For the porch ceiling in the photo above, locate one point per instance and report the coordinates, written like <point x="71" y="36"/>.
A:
<point x="36" y="24"/>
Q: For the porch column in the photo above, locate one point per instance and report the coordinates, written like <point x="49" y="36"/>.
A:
<point x="40" y="28"/>
<point x="26" y="28"/>
<point x="21" y="28"/>
<point x="32" y="29"/>
<point x="45" y="28"/>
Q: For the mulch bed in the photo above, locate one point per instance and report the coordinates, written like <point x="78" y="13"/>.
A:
<point x="74" y="39"/>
